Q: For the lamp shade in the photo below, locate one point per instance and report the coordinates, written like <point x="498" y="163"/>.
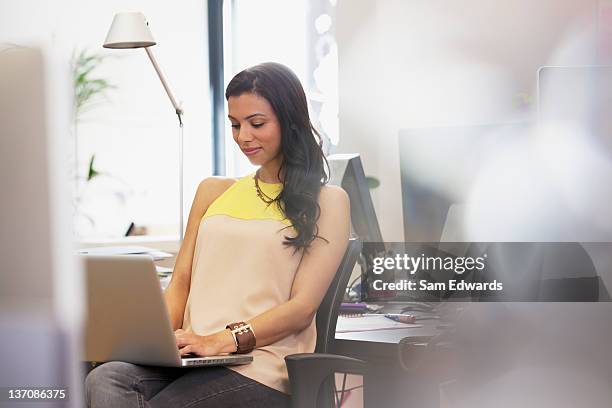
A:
<point x="129" y="30"/>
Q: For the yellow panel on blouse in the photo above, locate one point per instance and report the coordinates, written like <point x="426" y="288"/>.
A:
<point x="241" y="201"/>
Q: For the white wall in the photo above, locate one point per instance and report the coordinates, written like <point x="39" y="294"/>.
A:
<point x="406" y="64"/>
<point x="253" y="38"/>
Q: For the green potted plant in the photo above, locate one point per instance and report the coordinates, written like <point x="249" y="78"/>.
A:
<point x="89" y="92"/>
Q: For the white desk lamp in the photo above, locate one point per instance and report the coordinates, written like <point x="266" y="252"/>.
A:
<point x="131" y="30"/>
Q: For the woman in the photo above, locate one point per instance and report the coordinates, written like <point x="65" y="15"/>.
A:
<point x="258" y="256"/>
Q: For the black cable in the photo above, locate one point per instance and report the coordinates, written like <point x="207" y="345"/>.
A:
<point x="352" y="388"/>
<point x="343" y="387"/>
<point x="350" y="285"/>
<point x="336" y="393"/>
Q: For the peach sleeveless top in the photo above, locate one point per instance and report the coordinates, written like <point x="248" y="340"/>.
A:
<point x="241" y="268"/>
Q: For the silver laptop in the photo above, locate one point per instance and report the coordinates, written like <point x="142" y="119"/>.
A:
<point x="127" y="319"/>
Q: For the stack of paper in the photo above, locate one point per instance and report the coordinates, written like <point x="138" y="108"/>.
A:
<point x="127" y="250"/>
<point x="369" y="323"/>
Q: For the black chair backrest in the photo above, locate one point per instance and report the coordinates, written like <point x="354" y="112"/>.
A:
<point x="327" y="314"/>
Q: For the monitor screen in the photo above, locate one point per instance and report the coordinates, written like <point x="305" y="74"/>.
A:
<point x="580" y="97"/>
<point x="347" y="171"/>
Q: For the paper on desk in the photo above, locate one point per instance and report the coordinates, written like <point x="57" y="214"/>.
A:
<point x="369" y="323"/>
<point x="126" y="250"/>
<point x="163" y="270"/>
<point x="159" y="255"/>
<point x="164" y="282"/>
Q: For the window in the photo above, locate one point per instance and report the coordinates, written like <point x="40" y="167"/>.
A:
<point x="299" y="34"/>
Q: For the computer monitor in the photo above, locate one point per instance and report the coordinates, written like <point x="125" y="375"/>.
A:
<point x="347" y="172"/>
<point x="580" y="96"/>
<point x="438" y="166"/>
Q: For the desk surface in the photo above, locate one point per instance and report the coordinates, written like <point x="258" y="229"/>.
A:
<point x="386" y="380"/>
<point x="382" y="345"/>
<point x="428" y="330"/>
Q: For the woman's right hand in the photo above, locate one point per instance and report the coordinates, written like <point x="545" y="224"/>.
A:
<point x="217" y="343"/>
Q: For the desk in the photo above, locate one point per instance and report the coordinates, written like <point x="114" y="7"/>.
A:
<point x="161" y="243"/>
<point x="355" y="344"/>
<point x="385" y="383"/>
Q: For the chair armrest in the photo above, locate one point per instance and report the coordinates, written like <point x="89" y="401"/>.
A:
<point x="308" y="371"/>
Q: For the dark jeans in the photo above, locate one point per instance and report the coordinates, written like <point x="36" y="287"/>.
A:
<point x="120" y="385"/>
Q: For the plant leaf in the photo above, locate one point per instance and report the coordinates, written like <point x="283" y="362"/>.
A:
<point x="91" y="173"/>
<point x="373" y="182"/>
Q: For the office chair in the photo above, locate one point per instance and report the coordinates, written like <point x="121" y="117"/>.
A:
<point x="311" y="375"/>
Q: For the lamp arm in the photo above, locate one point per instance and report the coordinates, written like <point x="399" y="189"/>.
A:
<point x="177" y="108"/>
<point x="179" y="113"/>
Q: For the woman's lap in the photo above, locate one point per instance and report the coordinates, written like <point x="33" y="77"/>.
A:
<point x="120" y="384"/>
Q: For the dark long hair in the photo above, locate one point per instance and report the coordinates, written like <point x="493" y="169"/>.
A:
<point x="303" y="166"/>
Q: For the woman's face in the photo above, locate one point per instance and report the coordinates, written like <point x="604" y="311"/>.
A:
<point x="255" y="128"/>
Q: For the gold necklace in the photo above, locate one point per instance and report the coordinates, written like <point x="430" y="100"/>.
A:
<point x="260" y="193"/>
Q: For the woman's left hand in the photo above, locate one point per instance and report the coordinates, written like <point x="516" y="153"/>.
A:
<point x="212" y="345"/>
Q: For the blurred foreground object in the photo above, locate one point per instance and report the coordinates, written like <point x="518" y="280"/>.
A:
<point x="40" y="296"/>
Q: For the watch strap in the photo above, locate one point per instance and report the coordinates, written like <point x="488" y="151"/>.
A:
<point x="243" y="336"/>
